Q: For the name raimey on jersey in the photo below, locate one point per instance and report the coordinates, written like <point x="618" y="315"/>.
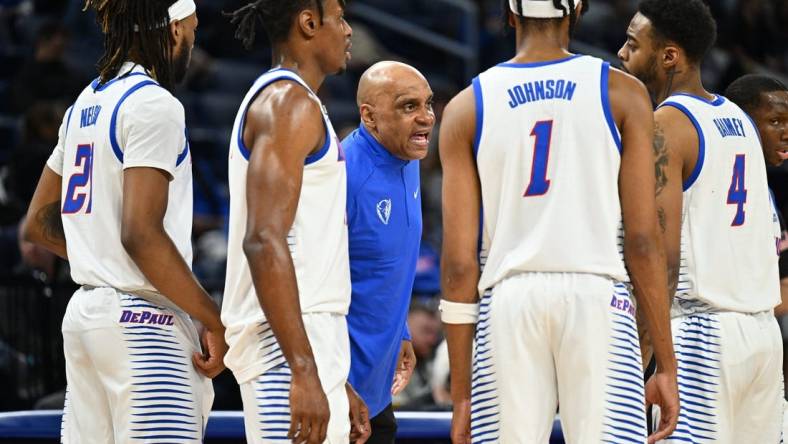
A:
<point x="145" y="317"/>
<point x="541" y="90"/>
<point x="730" y="127"/>
<point x="89" y="116"/>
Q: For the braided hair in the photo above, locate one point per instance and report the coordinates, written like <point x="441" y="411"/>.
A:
<point x="276" y="16"/>
<point x="138" y="26"/>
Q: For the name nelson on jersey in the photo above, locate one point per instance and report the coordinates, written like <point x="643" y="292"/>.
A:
<point x="541" y="90"/>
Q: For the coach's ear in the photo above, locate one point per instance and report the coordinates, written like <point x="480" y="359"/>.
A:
<point x="671" y="55"/>
<point x="368" y="118"/>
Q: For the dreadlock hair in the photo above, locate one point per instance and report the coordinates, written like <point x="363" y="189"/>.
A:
<point x="748" y="91"/>
<point x="276" y="16"/>
<point x="139" y="28"/>
<point x="537" y="23"/>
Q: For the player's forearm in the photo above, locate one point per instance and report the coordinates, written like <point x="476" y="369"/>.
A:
<point x="646" y="351"/>
<point x="44" y="226"/>
<point x="645" y="260"/>
<point x="274" y="280"/>
<point x="459" y="338"/>
<point x="460" y="279"/>
<point x="156" y="256"/>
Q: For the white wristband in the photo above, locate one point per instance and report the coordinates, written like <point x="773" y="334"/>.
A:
<point x="458" y="313"/>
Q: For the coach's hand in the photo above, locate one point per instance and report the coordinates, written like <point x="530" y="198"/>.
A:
<point x="406" y="363"/>
<point x="461" y="422"/>
<point x="309" y="413"/>
<point x="662" y="389"/>
<point x="211" y="361"/>
<point x="360" y="429"/>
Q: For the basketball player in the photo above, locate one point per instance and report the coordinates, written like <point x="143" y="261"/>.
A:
<point x="120" y="182"/>
<point x="719" y="231"/>
<point x="552" y="152"/>
<point x="288" y="242"/>
<point x="765" y="99"/>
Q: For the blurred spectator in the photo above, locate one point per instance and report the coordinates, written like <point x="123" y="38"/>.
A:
<point x="46" y="76"/>
<point x="425" y="332"/>
<point x="39" y="136"/>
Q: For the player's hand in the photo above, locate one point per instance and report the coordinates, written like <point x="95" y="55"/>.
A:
<point x="211" y="361"/>
<point x="360" y="429"/>
<point x="461" y="422"/>
<point x="662" y="389"/>
<point x="309" y="413"/>
<point x="406" y="363"/>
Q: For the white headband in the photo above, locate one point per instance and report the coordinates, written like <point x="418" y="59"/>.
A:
<point x="540" y="8"/>
<point x="181" y="9"/>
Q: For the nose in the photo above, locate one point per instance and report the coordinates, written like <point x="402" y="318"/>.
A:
<point x="349" y="31"/>
<point x="622" y="53"/>
<point x="426" y="117"/>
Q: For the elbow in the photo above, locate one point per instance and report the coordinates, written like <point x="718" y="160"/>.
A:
<point x="257" y="242"/>
<point x="135" y="238"/>
<point x="640" y="246"/>
<point x="26" y="231"/>
<point x="456" y="271"/>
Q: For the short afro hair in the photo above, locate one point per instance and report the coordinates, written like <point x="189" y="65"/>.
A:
<point x="747" y="91"/>
<point x="688" y="23"/>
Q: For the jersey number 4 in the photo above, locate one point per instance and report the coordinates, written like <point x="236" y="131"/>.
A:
<point x="737" y="193"/>
<point x="76" y="195"/>
<point x="542" y="132"/>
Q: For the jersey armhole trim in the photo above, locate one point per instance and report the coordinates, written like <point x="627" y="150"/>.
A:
<point x="68" y="121"/>
<point x="754" y="128"/>
<point x="701" y="144"/>
<point x="479" y="99"/>
<point x="312" y="158"/>
<point x="246" y="152"/>
<point x="113" y="138"/>
<point x="605" y="90"/>
<point x="185" y="152"/>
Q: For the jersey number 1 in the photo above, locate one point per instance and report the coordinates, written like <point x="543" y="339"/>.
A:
<point x="75" y="200"/>
<point x="539" y="185"/>
<point x="737" y="193"/>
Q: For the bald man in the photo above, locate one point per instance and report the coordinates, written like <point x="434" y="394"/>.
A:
<point x="384" y="224"/>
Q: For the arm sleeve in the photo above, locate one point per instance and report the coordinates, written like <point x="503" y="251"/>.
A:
<point x="152" y="130"/>
<point x="55" y="161"/>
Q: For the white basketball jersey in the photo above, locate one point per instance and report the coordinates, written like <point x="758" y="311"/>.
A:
<point x="729" y="229"/>
<point x="128" y="122"/>
<point x="318" y="239"/>
<point x="548" y="157"/>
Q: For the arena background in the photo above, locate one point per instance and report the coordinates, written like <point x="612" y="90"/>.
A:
<point x="48" y="50"/>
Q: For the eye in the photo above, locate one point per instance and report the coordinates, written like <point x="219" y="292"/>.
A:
<point x="775" y="122"/>
<point x="409" y="107"/>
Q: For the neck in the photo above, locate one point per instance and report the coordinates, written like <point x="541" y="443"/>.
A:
<point x="684" y="79"/>
<point x="306" y="67"/>
<point x="542" y="45"/>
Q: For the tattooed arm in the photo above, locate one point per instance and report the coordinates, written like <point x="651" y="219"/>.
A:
<point x="675" y="152"/>
<point x="43" y="225"/>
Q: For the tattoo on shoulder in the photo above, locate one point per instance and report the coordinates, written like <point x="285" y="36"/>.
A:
<point x="662" y="219"/>
<point x="660" y="159"/>
<point x="52" y="225"/>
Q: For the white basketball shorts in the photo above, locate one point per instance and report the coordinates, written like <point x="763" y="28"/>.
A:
<point x="129" y="371"/>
